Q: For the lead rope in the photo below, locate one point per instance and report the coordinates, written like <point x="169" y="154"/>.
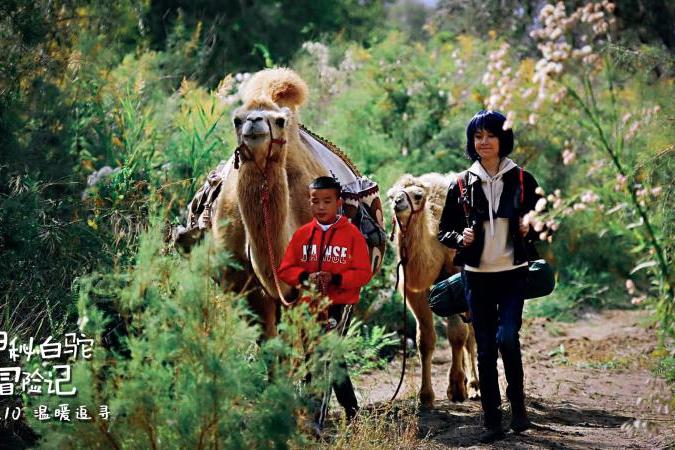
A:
<point x="268" y="234"/>
<point x="402" y="263"/>
<point x="238" y="153"/>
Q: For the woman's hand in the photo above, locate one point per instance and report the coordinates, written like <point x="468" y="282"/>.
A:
<point x="524" y="226"/>
<point x="467" y="236"/>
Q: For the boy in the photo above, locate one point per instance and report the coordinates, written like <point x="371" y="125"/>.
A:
<point x="331" y="254"/>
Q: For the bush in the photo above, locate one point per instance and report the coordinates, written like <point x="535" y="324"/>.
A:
<point x="196" y="374"/>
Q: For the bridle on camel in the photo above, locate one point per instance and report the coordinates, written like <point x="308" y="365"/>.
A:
<point x="243" y="154"/>
<point x="403" y="262"/>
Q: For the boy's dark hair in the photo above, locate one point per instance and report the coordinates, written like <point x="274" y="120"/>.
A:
<point x="492" y="121"/>
<point x="327" y="183"/>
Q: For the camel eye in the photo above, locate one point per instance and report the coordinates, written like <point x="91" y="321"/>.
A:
<point x="418" y="196"/>
<point x="280" y="122"/>
<point x="237" y="122"/>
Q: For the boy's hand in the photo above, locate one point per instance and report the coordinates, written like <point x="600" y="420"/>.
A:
<point x="320" y="280"/>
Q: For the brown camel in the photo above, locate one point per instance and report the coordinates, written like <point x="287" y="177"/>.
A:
<point x="276" y="151"/>
<point x="417" y="204"/>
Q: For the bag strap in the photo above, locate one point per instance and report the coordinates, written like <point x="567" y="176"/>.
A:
<point x="463" y="197"/>
<point x="522" y="199"/>
<point x="461" y="185"/>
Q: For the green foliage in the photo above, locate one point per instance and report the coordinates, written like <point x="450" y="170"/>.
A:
<point x="666" y="369"/>
<point x="369" y="344"/>
<point x="407" y="107"/>
<point x="579" y="292"/>
<point x="245" y="37"/>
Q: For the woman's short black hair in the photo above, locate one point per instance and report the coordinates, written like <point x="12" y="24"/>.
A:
<point x="326" y="183"/>
<point x="492" y="121"/>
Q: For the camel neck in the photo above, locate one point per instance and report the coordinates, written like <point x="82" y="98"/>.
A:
<point x="416" y="228"/>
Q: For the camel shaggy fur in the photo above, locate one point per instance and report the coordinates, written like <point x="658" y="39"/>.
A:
<point x="417" y="203"/>
<point x="271" y="99"/>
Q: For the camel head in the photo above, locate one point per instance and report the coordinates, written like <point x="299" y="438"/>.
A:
<point x="406" y="197"/>
<point x="269" y="114"/>
<point x="263" y="130"/>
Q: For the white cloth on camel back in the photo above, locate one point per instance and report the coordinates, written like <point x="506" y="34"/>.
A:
<point x="355" y="187"/>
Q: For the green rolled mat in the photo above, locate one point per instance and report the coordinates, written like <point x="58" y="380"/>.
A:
<point x="447" y="297"/>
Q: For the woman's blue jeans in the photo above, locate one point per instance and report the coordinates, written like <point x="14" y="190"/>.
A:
<point x="495" y="301"/>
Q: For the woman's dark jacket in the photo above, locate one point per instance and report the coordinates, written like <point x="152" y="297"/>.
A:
<point x="453" y="220"/>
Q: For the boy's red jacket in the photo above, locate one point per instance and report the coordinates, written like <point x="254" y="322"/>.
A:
<point x="345" y="256"/>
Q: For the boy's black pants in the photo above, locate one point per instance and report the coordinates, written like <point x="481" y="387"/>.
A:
<point x="338" y="318"/>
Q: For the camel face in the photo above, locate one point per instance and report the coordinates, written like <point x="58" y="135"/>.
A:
<point x="257" y="127"/>
<point x="405" y="200"/>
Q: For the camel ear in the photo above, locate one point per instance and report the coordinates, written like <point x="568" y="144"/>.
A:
<point x="406" y="180"/>
<point x="283" y="86"/>
<point x="288" y="90"/>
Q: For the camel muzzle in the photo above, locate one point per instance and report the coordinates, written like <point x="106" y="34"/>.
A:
<point x="255" y="128"/>
<point x="401" y="206"/>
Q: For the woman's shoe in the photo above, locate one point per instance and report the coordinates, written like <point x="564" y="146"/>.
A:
<point x="491" y="435"/>
<point x="519" y="420"/>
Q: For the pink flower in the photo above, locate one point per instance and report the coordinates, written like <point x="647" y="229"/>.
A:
<point x="541" y="205"/>
<point x="508" y="123"/>
<point x="589" y="197"/>
<point x="568" y="157"/>
<point x="597" y="165"/>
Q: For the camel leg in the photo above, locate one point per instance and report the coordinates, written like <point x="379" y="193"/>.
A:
<point x="265" y="308"/>
<point x="457" y="332"/>
<point x="426" y="341"/>
<point x="474" y="385"/>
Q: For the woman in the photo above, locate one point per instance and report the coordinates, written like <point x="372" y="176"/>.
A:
<point x="484" y="222"/>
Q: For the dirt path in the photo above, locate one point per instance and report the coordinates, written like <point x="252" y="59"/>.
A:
<point x="582" y="381"/>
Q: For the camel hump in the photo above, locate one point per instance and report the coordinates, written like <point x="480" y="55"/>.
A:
<point x="283" y="86"/>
